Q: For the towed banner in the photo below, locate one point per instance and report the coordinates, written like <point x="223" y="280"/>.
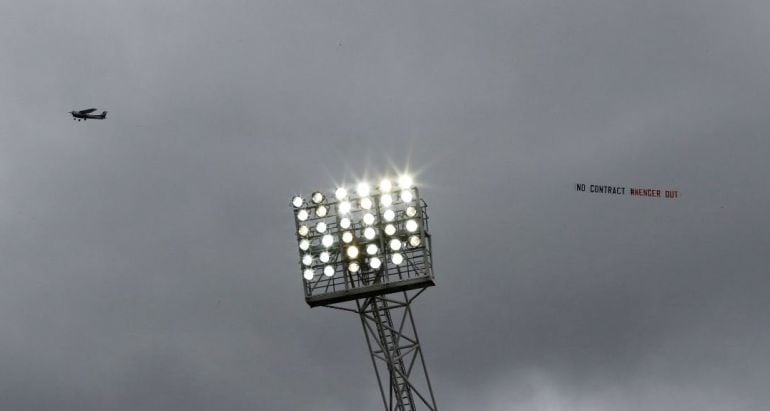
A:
<point x="632" y="191"/>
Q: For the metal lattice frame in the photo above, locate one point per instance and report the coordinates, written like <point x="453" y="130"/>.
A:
<point x="414" y="273"/>
<point x="395" y="350"/>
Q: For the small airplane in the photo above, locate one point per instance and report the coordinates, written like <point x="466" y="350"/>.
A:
<point x="86" y="114"/>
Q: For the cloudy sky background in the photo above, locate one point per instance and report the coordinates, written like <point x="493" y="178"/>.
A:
<point x="147" y="262"/>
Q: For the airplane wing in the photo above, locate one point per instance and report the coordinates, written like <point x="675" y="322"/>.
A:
<point x="90" y="110"/>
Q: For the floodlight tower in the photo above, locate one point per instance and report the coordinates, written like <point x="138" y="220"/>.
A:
<point x="368" y="251"/>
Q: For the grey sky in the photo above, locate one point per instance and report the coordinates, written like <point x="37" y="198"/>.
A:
<point x="147" y="262"/>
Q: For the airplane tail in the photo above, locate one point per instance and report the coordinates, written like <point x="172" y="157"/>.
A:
<point x="104" y="114"/>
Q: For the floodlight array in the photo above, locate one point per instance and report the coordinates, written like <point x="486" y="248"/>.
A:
<point x="362" y="235"/>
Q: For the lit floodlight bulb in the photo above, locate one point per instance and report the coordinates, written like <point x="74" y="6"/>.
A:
<point x="302" y="215"/>
<point x="371" y="249"/>
<point x="385" y="185"/>
<point x="320" y="227"/>
<point x="414" y="241"/>
<point x="411" y="226"/>
<point x="308" y="274"/>
<point x="344" y="207"/>
<point x="328" y="271"/>
<point x="324" y="257"/>
<point x="307" y="259"/>
<point x="397" y="258"/>
<point x="327" y="240"/>
<point x="353" y="267"/>
<point x="375" y="263"/>
<point x="389" y="215"/>
<point x="303" y="230"/>
<point x="304" y="244"/>
<point x="395" y="244"/>
<point x="386" y="200"/>
<point x="368" y="219"/>
<point x="352" y="251"/>
<point x="347" y="237"/>
<point x="362" y="189"/>
<point x="369" y="233"/>
<point x="366" y="203"/>
<point x="317" y="197"/>
<point x="406" y="195"/>
<point x="345" y="222"/>
<point x="390" y="229"/>
<point x="341" y="193"/>
<point x="411" y="211"/>
<point x="297" y="201"/>
<point x="405" y="181"/>
<point x="321" y="211"/>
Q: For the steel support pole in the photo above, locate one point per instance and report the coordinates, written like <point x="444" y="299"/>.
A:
<point x="394" y="346"/>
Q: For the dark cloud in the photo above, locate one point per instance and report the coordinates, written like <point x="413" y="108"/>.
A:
<point x="147" y="261"/>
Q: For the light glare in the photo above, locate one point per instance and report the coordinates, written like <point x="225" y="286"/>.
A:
<point x="344" y="207"/>
<point x="341" y="193"/>
<point x="352" y="251"/>
<point x="405" y="181"/>
<point x="385" y="185"/>
<point x="366" y="203"/>
<point x="406" y="196"/>
<point x="308" y="274"/>
<point x="386" y="200"/>
<point x="362" y="189"/>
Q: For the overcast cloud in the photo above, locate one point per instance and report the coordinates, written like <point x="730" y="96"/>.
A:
<point x="147" y="262"/>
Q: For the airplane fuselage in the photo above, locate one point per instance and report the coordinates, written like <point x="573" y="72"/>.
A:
<point x="85" y="116"/>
